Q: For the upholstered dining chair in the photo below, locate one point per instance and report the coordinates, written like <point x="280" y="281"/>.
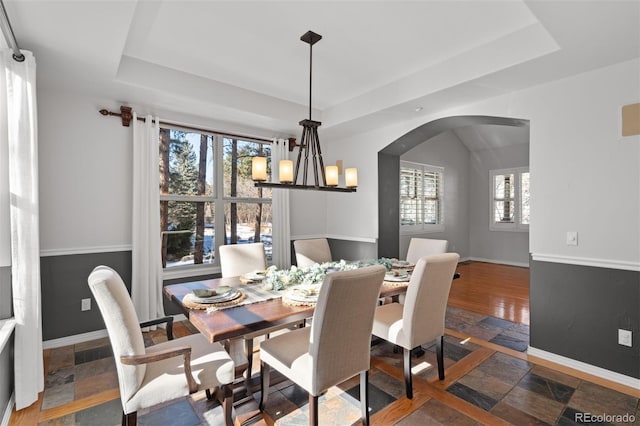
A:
<point x="337" y="345"/>
<point x="421" y="319"/>
<point x="162" y="372"/>
<point x="312" y="251"/>
<point x="419" y="247"/>
<point x="239" y="259"/>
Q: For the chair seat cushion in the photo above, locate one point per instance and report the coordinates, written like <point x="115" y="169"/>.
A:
<point x="165" y="380"/>
<point x="387" y="324"/>
<point x="289" y="354"/>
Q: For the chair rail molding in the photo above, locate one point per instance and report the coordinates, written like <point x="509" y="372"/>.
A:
<point x="587" y="261"/>
<point x="84" y="250"/>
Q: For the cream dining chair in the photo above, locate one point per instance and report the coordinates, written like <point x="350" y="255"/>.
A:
<point x="419" y="247"/>
<point x="239" y="259"/>
<point x="336" y="347"/>
<point x="312" y="251"/>
<point x="421" y="319"/>
<point x="162" y="372"/>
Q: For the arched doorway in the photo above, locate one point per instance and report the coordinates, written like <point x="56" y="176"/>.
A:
<point x="389" y="171"/>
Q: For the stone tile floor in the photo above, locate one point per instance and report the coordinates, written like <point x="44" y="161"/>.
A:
<point x="505" y="386"/>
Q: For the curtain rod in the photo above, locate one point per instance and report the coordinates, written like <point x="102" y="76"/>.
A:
<point x="7" y="31"/>
<point x="126" y="115"/>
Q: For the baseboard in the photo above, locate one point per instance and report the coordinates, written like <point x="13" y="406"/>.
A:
<point x="7" y="412"/>
<point x="75" y="339"/>
<point x="86" y="337"/>
<point x="586" y="368"/>
<point x="499" y="262"/>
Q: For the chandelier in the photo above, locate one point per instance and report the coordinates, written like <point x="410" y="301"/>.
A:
<point x="309" y="146"/>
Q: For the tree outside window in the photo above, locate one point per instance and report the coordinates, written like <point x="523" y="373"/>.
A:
<point x="204" y="177"/>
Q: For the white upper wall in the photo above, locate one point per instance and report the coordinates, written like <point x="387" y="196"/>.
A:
<point x="575" y="155"/>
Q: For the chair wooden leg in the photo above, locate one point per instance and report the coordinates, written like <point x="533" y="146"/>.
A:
<point x="407" y="373"/>
<point x="440" y="356"/>
<point x="265" y="370"/>
<point x="248" y="349"/>
<point x="313" y="410"/>
<point x="226" y="396"/>
<point x="364" y="396"/>
<point x="130" y="419"/>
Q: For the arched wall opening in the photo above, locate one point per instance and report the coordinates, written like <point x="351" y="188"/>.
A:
<point x="389" y="171"/>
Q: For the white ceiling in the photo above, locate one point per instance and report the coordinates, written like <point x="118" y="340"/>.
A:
<point x="242" y="61"/>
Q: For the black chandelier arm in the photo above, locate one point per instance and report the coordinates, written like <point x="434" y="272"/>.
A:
<point x="308" y="187"/>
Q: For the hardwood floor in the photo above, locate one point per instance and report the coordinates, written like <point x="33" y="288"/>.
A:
<point x="500" y="291"/>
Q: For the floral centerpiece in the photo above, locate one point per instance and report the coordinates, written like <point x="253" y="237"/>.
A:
<point x="280" y="279"/>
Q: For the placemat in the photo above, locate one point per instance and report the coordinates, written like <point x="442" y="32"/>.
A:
<point x="190" y="303"/>
<point x="252" y="293"/>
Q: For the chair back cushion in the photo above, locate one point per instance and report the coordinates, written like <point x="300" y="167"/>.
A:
<point x="123" y="327"/>
<point x="427" y="295"/>
<point x="238" y="259"/>
<point x="420" y="247"/>
<point x="340" y="340"/>
<point x="309" y="252"/>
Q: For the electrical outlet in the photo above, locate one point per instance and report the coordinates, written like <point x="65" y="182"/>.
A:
<point x="624" y="337"/>
<point x="572" y="238"/>
<point x="85" y="305"/>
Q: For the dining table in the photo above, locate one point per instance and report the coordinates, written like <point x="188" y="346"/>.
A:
<point x="236" y="321"/>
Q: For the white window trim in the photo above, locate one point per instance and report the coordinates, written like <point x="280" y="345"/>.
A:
<point x="516" y="226"/>
<point x="217" y="198"/>
<point x="426" y="228"/>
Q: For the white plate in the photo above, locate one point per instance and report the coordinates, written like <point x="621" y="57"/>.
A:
<point x="232" y="294"/>
<point x="255" y="276"/>
<point x="396" y="278"/>
<point x="402" y="264"/>
<point x="300" y="294"/>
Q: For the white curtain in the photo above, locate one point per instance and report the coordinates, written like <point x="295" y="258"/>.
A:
<point x="18" y="126"/>
<point x="146" y="258"/>
<point x="281" y="232"/>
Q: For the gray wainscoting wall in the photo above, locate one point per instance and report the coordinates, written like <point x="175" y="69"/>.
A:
<point x="64" y="285"/>
<point x="576" y="312"/>
<point x="6" y="354"/>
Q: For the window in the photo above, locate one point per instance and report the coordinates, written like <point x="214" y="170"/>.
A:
<point x="509" y="199"/>
<point x="207" y="197"/>
<point x="421" y="198"/>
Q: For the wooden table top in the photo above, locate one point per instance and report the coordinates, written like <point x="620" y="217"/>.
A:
<point x="237" y="321"/>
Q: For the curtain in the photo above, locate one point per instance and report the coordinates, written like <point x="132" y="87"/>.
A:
<point x="281" y="233"/>
<point x="19" y="130"/>
<point x="146" y="257"/>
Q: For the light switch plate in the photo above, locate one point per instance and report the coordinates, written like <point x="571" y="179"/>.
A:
<point x="572" y="238"/>
<point x="624" y="337"/>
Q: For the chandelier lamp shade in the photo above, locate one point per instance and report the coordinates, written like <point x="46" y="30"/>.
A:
<point x="324" y="179"/>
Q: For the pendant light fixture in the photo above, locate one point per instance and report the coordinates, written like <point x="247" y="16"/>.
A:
<point x="324" y="179"/>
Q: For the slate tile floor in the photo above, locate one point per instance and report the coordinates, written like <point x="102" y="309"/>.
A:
<point x="503" y="385"/>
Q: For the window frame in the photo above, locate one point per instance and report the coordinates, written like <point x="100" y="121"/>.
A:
<point x="516" y="225"/>
<point x="217" y="198"/>
<point x="424" y="228"/>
